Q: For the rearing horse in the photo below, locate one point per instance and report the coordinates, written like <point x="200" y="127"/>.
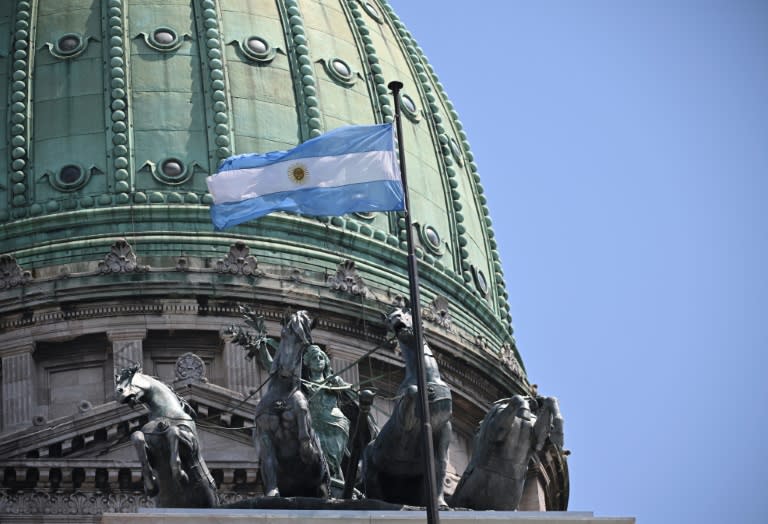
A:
<point x="392" y="463"/>
<point x="292" y="461"/>
<point x="168" y="447"/>
<point x="509" y="436"/>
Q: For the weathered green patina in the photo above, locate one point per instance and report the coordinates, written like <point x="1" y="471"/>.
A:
<point x="118" y="110"/>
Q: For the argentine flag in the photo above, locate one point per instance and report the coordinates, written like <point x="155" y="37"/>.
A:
<point x="348" y="169"/>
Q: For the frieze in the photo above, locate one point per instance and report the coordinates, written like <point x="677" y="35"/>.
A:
<point x="39" y="502"/>
<point x="239" y="261"/>
<point x="11" y="273"/>
<point x="121" y="259"/>
<point x="464" y="376"/>
<point x="348" y="280"/>
<point x="75" y="503"/>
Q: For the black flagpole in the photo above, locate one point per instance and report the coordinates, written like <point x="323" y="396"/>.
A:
<point x="413" y="279"/>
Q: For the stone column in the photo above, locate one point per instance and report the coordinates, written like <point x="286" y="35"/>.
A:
<point x="351" y="375"/>
<point x="127" y="347"/>
<point x="18" y="386"/>
<point x="242" y="374"/>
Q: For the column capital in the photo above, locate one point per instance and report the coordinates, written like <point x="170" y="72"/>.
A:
<point x="22" y="348"/>
<point x="121" y="335"/>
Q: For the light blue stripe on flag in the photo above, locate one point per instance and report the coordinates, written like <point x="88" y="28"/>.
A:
<point x="348" y="169"/>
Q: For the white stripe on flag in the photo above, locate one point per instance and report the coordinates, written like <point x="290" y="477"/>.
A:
<point x="330" y="171"/>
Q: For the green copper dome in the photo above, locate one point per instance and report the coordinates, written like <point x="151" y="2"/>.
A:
<point x="119" y="109"/>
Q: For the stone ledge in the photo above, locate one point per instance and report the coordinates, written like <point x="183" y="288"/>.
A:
<point x="235" y="516"/>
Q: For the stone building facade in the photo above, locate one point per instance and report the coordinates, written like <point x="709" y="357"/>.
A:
<point x="117" y="111"/>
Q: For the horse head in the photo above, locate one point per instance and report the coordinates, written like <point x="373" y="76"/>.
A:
<point x="295" y="336"/>
<point x="399" y="320"/>
<point x="131" y="385"/>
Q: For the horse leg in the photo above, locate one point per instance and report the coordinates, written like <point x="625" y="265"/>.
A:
<point x="150" y="479"/>
<point x="370" y="474"/>
<point x="268" y="465"/>
<point x="178" y="474"/>
<point x="301" y="410"/>
<point x="407" y="417"/>
<point x="441" y="461"/>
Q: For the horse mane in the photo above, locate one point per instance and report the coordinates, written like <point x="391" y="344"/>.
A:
<point x="188" y="409"/>
<point x="128" y="373"/>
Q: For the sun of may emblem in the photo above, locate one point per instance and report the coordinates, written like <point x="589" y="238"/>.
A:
<point x="298" y="173"/>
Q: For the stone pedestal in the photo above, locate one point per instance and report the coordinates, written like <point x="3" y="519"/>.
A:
<point x="233" y="516"/>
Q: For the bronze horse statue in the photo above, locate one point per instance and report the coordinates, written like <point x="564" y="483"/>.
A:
<point x="292" y="460"/>
<point x="392" y="462"/>
<point x="168" y="447"/>
<point x="507" y="438"/>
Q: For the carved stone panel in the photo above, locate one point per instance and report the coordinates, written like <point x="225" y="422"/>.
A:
<point x="238" y="261"/>
<point x="508" y="358"/>
<point x="191" y="368"/>
<point x="347" y="280"/>
<point x="439" y="313"/>
<point x="11" y="273"/>
<point x="121" y="259"/>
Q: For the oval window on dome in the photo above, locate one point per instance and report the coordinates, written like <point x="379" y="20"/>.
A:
<point x="69" y="45"/>
<point x="164" y="39"/>
<point x="172" y="171"/>
<point x="340" y="71"/>
<point x="430" y="239"/>
<point x="372" y="11"/>
<point x="456" y="151"/>
<point x="341" y="67"/>
<point x="365" y="215"/>
<point x="257" y="45"/>
<point x="70" y="177"/>
<point x="257" y="49"/>
<point x="481" y="282"/>
<point x="409" y="107"/>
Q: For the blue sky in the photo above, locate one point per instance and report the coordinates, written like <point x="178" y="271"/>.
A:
<point x="624" y="150"/>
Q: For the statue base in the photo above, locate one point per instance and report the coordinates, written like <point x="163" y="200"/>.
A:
<point x="349" y="516"/>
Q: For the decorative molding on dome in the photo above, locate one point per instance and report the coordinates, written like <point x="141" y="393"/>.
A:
<point x="164" y="39"/>
<point x="340" y="71"/>
<point x="70" y="177"/>
<point x="172" y="171"/>
<point x="182" y="264"/>
<point x="347" y="280"/>
<point x="19" y="110"/>
<point x="220" y="131"/>
<point x="119" y="132"/>
<point x="68" y="46"/>
<point x="11" y="273"/>
<point x="381" y="102"/>
<point x="256" y="49"/>
<point x="372" y="11"/>
<point x="121" y="259"/>
<point x="304" y="81"/>
<point x="482" y="342"/>
<point x="438" y="312"/>
<point x="239" y="261"/>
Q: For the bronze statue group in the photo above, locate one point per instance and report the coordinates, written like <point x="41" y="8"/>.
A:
<point x="311" y="430"/>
